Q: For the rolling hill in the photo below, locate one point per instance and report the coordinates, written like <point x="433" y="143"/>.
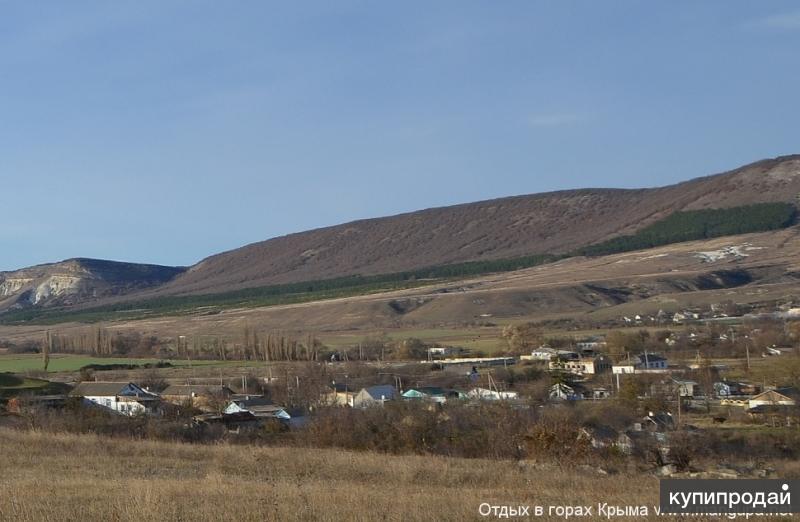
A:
<point x="550" y="223"/>
<point x="530" y="228"/>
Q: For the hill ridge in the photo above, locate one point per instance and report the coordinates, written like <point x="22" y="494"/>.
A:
<point x="549" y="223"/>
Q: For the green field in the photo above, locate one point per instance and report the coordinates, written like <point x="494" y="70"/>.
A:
<point x="10" y="381"/>
<point x="72" y="363"/>
<point x="486" y="338"/>
<point x="11" y="385"/>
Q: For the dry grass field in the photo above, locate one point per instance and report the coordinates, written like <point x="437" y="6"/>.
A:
<point x="49" y="477"/>
<point x="56" y="477"/>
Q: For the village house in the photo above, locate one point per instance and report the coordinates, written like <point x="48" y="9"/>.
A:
<point x="684" y="316"/>
<point x="432" y="393"/>
<point x="341" y="395"/>
<point x="735" y="390"/>
<point x="485" y="394"/>
<point x="583" y="365"/>
<point x="545" y="353"/>
<point x="775" y="397"/>
<point x="625" y="367"/>
<point x="776" y="407"/>
<point x="374" y="396"/>
<point x="564" y="392"/>
<point x="672" y="387"/>
<point x="205" y="397"/>
<point x="686" y="388"/>
<point x="594" y="344"/>
<point x="259" y="407"/>
<point x="125" y="398"/>
<point x="647" y="362"/>
<point x="597" y="393"/>
<point x="659" y="422"/>
<point x="444" y="351"/>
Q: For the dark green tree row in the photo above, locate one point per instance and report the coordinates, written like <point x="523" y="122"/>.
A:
<point x="699" y="224"/>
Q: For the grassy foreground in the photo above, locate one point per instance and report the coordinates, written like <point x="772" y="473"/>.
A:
<point x="47" y="477"/>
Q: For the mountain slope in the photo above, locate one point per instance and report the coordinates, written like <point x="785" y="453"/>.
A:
<point x="550" y="223"/>
<point x="78" y="280"/>
<point x="554" y="223"/>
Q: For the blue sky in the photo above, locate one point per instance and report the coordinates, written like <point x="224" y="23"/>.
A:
<point x="166" y="131"/>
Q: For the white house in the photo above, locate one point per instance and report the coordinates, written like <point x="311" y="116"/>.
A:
<point x="441" y="351"/>
<point x="583" y="365"/>
<point x="545" y="353"/>
<point x="121" y="397"/>
<point x="259" y="407"/>
<point x="590" y="345"/>
<point x="726" y="389"/>
<point x="685" y="388"/>
<point x="650" y="361"/>
<point x="623" y="367"/>
<point x="485" y="394"/>
<point x="563" y="392"/>
<point x="432" y="394"/>
<point x="776" y="397"/>
<point x="643" y="362"/>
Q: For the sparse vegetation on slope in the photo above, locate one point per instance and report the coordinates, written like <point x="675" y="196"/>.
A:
<point x="505" y="228"/>
<point x="678" y="227"/>
<point x="274" y="294"/>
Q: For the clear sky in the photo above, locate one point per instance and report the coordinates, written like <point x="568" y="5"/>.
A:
<point x="165" y="131"/>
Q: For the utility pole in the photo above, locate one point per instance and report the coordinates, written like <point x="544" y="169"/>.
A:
<point x="747" y="350"/>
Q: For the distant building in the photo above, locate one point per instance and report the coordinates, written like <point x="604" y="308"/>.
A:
<point x="259" y="407"/>
<point x="728" y="389"/>
<point x="432" y="393"/>
<point x="643" y="362"/>
<point x="649" y="361"/>
<point x="546" y="353"/>
<point x="685" y="388"/>
<point x="341" y="395"/>
<point x="593" y="345"/>
<point x="564" y="392"/>
<point x="597" y="393"/>
<point x="623" y="368"/>
<point x="491" y="395"/>
<point x="125" y="398"/>
<point x="374" y="396"/>
<point x="583" y="365"/>
<point x="205" y="397"/>
<point x="776" y="397"/>
<point x="443" y="351"/>
<point x="658" y="422"/>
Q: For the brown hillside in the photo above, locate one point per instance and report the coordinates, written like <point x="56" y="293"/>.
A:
<point x="554" y="222"/>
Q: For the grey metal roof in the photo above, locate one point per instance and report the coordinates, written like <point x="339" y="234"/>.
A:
<point x="101" y="389"/>
<point x="384" y="390"/>
<point x="251" y="401"/>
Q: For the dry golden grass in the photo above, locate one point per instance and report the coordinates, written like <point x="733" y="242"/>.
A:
<point x="72" y="477"/>
<point x="49" y="477"/>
